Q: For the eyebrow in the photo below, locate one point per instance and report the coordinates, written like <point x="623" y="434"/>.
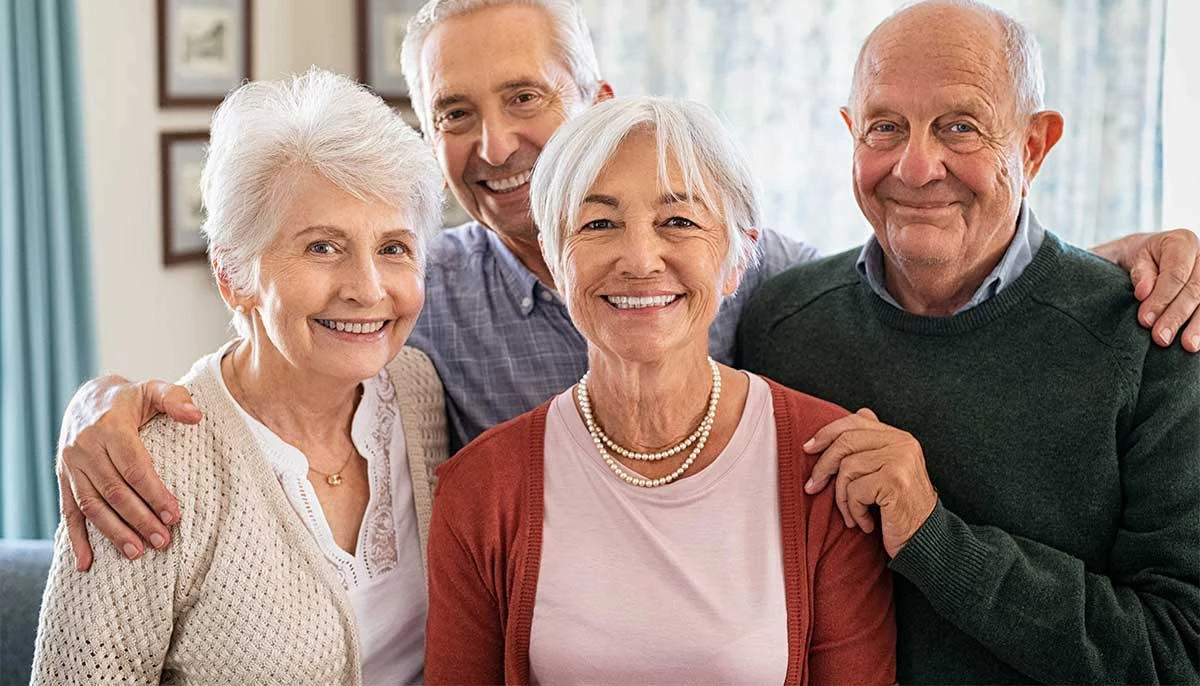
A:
<point x="522" y="83"/>
<point x="338" y="232"/>
<point x="668" y="198"/>
<point x="602" y="200"/>
<point x="445" y="101"/>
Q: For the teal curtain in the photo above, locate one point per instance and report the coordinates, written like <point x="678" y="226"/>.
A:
<point x="45" y="312"/>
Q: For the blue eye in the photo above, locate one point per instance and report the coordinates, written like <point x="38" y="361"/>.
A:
<point x="322" y="248"/>
<point x="961" y="127"/>
<point x="885" y="127"/>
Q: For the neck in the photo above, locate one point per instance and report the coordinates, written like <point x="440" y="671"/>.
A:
<point x="938" y="289"/>
<point x="530" y="254"/>
<point x="300" y="407"/>
<point x="649" y="406"/>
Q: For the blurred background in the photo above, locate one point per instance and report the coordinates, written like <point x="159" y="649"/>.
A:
<point x="83" y="284"/>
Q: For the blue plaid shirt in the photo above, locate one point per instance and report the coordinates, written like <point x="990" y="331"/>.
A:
<point x="502" y="341"/>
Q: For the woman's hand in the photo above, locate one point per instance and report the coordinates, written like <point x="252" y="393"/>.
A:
<point x="1165" y="270"/>
<point x="104" y="472"/>
<point x="874" y="464"/>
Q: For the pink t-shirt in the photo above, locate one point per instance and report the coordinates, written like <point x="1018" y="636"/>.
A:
<point x="677" y="584"/>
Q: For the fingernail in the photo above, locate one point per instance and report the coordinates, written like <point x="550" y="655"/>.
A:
<point x="811" y="442"/>
<point x="190" y="407"/>
<point x="1150" y="317"/>
<point x="165" y="517"/>
<point x="1164" y="335"/>
<point x="808" y="486"/>
<point x="1196" y="342"/>
<point x="131" y="551"/>
<point x="157" y="540"/>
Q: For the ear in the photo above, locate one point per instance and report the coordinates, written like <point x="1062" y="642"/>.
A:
<point x="845" y="112"/>
<point x="734" y="278"/>
<point x="232" y="299"/>
<point x="605" y="92"/>
<point x="1044" y="130"/>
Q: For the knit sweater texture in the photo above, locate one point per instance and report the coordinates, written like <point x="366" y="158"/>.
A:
<point x="243" y="594"/>
<point x="485" y="545"/>
<point x="1065" y="448"/>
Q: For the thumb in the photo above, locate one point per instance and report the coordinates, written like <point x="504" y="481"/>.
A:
<point x="1143" y="275"/>
<point x="169" y="399"/>
<point x="866" y="412"/>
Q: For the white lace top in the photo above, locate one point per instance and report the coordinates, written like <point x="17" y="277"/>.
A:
<point x="384" y="579"/>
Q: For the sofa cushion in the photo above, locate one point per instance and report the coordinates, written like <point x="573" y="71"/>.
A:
<point x="24" y="566"/>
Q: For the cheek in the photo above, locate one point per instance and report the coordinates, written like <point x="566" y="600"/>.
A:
<point x="870" y="167"/>
<point x="408" y="290"/>
<point x="451" y="155"/>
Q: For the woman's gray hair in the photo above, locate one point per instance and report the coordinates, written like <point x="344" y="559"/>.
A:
<point x="266" y="134"/>
<point x="575" y="48"/>
<point x="714" y="168"/>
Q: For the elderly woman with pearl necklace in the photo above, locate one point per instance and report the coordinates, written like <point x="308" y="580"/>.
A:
<point x="649" y="524"/>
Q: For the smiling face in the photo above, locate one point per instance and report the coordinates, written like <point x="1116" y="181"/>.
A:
<point x="340" y="285"/>
<point x="942" y="157"/>
<point x="642" y="273"/>
<point x="497" y="92"/>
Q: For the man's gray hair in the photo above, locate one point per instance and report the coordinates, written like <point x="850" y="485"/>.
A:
<point x="1021" y="52"/>
<point x="714" y="168"/>
<point x="571" y="36"/>
<point x="266" y="134"/>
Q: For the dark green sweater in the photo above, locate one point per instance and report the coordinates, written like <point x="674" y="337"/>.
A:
<point x="1065" y="448"/>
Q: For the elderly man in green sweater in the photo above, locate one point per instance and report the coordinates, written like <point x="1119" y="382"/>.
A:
<point x="1043" y="515"/>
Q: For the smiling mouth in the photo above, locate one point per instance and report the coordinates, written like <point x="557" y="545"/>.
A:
<point x="353" y="327"/>
<point x="630" y="302"/>
<point x="508" y="184"/>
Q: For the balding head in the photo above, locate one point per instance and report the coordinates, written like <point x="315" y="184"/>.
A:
<point x="936" y="29"/>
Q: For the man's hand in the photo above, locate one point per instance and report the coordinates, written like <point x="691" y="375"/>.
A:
<point x="104" y="471"/>
<point x="874" y="464"/>
<point x="1165" y="270"/>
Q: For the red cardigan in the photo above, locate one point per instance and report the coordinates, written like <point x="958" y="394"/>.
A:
<point x="485" y="544"/>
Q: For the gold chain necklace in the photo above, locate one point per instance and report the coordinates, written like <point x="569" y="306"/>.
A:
<point x="335" y="479"/>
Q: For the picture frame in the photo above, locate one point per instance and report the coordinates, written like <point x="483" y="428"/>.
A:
<point x="380" y="33"/>
<point x="204" y="50"/>
<point x="181" y="158"/>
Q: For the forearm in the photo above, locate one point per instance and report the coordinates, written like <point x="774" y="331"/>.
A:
<point x="1038" y="610"/>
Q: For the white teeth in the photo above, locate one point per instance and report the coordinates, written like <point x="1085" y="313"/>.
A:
<point x="627" y="302"/>
<point x="502" y="185"/>
<point x="351" y="327"/>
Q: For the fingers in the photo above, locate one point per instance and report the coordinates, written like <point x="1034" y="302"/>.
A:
<point x="1143" y="275"/>
<point x="1185" y="282"/>
<point x="1191" y="335"/>
<point x="872" y="436"/>
<point x="171" y="400"/>
<point x="75" y="523"/>
<point x="854" y="512"/>
<point x="829" y="433"/>
<point x="94" y="506"/>
<point x="149" y="506"/>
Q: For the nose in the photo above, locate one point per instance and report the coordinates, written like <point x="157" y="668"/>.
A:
<point x="498" y="140"/>
<point x="641" y="251"/>
<point x="362" y="282"/>
<point x="921" y="161"/>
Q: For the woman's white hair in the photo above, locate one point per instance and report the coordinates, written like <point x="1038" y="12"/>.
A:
<point x="267" y="134"/>
<point x="714" y="169"/>
<point x="571" y="36"/>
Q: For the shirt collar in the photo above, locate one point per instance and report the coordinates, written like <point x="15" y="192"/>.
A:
<point x="1025" y="243"/>
<point x="522" y="285"/>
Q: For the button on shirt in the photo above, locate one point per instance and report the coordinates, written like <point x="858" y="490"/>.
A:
<point x="502" y="341"/>
<point x="1025" y="243"/>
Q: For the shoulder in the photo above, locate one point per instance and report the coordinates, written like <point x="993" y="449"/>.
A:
<point x="1094" y="294"/>
<point x="800" y="286"/>
<point x="495" y="464"/>
<point x="800" y="413"/>
<point x="457" y="248"/>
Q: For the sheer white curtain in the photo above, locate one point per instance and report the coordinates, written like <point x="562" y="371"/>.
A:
<point x="778" y="70"/>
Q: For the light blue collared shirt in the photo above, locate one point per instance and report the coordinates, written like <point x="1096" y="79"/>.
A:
<point x="1025" y="243"/>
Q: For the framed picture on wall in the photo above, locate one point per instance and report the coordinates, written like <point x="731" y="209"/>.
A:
<point x="181" y="155"/>
<point x="381" y="26"/>
<point x="204" y="50"/>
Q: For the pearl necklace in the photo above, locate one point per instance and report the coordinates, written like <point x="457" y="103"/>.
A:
<point x="699" y="437"/>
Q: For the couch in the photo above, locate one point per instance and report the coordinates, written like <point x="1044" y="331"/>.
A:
<point x="24" y="566"/>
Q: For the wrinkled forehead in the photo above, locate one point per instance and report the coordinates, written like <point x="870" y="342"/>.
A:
<point x="937" y="65"/>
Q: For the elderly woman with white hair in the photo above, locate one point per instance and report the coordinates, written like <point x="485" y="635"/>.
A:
<point x="649" y="525"/>
<point x="305" y="491"/>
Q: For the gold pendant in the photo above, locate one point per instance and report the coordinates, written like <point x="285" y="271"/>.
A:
<point x="334" y="479"/>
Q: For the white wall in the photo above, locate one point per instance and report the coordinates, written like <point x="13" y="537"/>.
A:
<point x="153" y="321"/>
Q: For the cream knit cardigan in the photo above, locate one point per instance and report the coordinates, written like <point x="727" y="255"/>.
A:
<point x="242" y="595"/>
